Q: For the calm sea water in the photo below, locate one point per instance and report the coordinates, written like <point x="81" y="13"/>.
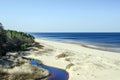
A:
<point x="107" y="40"/>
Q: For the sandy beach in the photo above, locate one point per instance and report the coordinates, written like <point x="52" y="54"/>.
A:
<point x="82" y="63"/>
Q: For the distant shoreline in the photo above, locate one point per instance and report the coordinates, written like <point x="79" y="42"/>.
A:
<point x="104" y="47"/>
<point x="93" y="46"/>
<point x="102" y="41"/>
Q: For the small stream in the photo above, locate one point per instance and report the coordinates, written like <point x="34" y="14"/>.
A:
<point x="55" y="73"/>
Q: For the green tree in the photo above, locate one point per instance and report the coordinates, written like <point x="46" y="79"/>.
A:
<point x="3" y="40"/>
<point x="18" y="40"/>
<point x="11" y="40"/>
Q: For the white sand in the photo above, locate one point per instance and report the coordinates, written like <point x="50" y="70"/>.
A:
<point x="89" y="64"/>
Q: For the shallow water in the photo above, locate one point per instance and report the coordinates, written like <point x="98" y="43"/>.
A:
<point x="55" y="73"/>
<point x="109" y="41"/>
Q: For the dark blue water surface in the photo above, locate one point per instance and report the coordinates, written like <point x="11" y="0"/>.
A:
<point x="55" y="73"/>
<point x="103" y="39"/>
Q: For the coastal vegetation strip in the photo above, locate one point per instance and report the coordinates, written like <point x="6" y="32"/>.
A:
<point x="14" y="41"/>
<point x="13" y="66"/>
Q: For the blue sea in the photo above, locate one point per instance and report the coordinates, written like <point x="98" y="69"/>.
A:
<point x="104" y="41"/>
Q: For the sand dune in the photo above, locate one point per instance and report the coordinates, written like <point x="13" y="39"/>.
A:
<point x="82" y="63"/>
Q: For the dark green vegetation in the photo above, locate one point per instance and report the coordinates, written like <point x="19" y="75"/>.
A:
<point x="18" y="40"/>
<point x="14" y="41"/>
<point x="3" y="40"/>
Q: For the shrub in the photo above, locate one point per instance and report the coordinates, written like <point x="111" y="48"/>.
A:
<point x="11" y="40"/>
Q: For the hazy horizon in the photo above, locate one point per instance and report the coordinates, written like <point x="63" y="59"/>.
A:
<point x="61" y="15"/>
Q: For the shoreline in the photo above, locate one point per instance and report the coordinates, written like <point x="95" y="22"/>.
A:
<point x="92" y="46"/>
<point x="98" y="46"/>
<point x="80" y="62"/>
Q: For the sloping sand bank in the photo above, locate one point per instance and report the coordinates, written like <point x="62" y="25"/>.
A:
<point x="82" y="63"/>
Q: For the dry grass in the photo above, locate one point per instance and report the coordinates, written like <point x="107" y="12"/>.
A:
<point x="24" y="72"/>
<point x="38" y="45"/>
<point x="69" y="59"/>
<point x="64" y="54"/>
<point x="69" y="66"/>
<point x="3" y="75"/>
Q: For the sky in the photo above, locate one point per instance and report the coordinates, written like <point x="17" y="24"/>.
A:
<point x="61" y="15"/>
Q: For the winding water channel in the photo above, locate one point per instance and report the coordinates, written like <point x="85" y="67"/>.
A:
<point x="55" y="73"/>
